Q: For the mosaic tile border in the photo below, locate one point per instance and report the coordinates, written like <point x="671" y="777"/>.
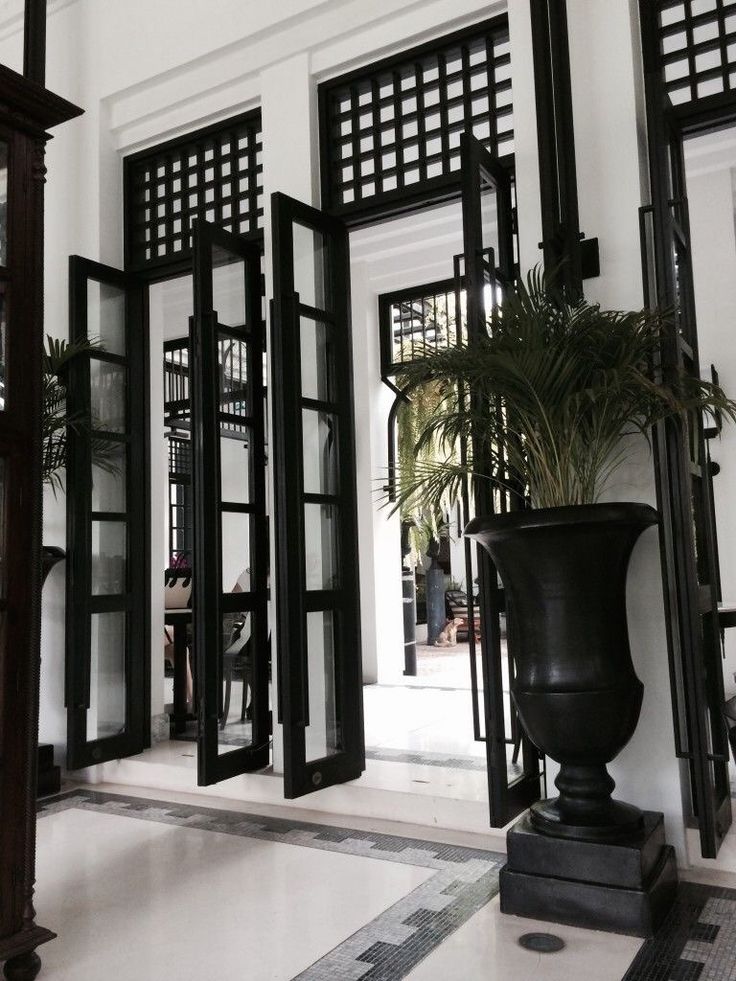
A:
<point x="388" y="947"/>
<point x="697" y="941"/>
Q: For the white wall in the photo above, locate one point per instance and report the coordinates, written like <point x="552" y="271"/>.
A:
<point x="608" y="118"/>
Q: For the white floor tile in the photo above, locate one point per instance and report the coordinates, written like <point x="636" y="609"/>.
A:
<point x="140" y="900"/>
<point x="486" y="947"/>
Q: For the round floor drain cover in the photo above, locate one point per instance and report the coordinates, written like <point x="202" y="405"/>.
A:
<point x="542" y="943"/>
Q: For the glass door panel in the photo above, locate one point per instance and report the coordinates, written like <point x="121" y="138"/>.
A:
<point x="108" y="710"/>
<point x="230" y="572"/>
<point x="316" y="528"/>
<point x="489" y="270"/>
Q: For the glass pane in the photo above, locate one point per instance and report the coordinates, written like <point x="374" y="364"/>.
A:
<point x="320" y="546"/>
<point x="107" y="395"/>
<point x="228" y="287"/>
<point x="234" y="468"/>
<point x="317" y="361"/>
<point x="323" y="737"/>
<point x="109" y="476"/>
<point x="235" y="728"/>
<point x="3" y="348"/>
<point x="310" y="256"/>
<point x="232" y="359"/>
<point x="106" y="713"/>
<point x="319" y="438"/>
<point x="108" y="558"/>
<point x="235" y="552"/>
<point x="489" y="216"/>
<point x="3" y="203"/>
<point x="106" y="315"/>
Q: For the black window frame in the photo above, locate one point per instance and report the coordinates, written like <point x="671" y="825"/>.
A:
<point x="427" y="190"/>
<point x="249" y="202"/>
<point x="708" y="108"/>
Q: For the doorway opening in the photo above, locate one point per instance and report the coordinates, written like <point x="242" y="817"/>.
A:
<point x="425" y="692"/>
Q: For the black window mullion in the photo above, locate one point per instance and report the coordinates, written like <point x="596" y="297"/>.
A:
<point x="398" y="141"/>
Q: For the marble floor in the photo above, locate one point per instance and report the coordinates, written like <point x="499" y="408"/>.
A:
<point x="145" y="888"/>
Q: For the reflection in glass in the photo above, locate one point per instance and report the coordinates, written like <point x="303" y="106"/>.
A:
<point x="317" y="361"/>
<point x="232" y="361"/>
<point x="3" y="347"/>
<point x="106" y="315"/>
<point x="319" y="438"/>
<point x="323" y="736"/>
<point x="310" y="255"/>
<point x="234" y="468"/>
<point x="107" y="395"/>
<point x="235" y="729"/>
<point x="235" y="551"/>
<point x="106" y="713"/>
<point x="108" y="558"/>
<point x="228" y="287"/>
<point x="320" y="546"/>
<point x="3" y="203"/>
<point x="108" y="475"/>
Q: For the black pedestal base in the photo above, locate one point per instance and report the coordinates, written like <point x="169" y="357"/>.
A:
<point x="624" y="887"/>
<point x="25" y="967"/>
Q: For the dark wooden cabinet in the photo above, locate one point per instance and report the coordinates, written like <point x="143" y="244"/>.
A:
<point x="27" y="111"/>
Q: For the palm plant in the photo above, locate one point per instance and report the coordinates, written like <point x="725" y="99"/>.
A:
<point x="555" y="386"/>
<point x="426" y="519"/>
<point x="55" y="420"/>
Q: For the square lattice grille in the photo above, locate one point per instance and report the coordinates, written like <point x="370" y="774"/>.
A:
<point x="698" y="48"/>
<point x="417" y="321"/>
<point x="393" y="129"/>
<point x="214" y="174"/>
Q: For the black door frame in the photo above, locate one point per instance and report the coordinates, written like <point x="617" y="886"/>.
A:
<point x="211" y="600"/>
<point x="294" y="600"/>
<point x="135" y="603"/>
<point x="507" y="798"/>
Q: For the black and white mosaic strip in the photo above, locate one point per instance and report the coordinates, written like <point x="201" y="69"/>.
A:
<point x="387" y="948"/>
<point x="697" y="941"/>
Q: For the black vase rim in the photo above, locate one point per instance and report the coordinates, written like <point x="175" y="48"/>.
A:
<point x="624" y="513"/>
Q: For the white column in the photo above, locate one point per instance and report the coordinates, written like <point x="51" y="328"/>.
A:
<point x="289" y="165"/>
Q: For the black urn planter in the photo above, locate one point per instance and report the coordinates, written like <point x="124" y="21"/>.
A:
<point x="50" y="556"/>
<point x="564" y="571"/>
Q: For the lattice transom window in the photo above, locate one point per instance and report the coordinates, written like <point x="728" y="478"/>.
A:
<point x="698" y="48"/>
<point x="393" y="129"/>
<point x="215" y="174"/>
<point x="416" y="321"/>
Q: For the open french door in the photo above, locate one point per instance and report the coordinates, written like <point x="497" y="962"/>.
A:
<point x="230" y="581"/>
<point x="489" y="268"/>
<point x="684" y="491"/>
<point x="318" y="614"/>
<point x="107" y="629"/>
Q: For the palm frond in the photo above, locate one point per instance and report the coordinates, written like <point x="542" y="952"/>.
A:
<point x="553" y="389"/>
